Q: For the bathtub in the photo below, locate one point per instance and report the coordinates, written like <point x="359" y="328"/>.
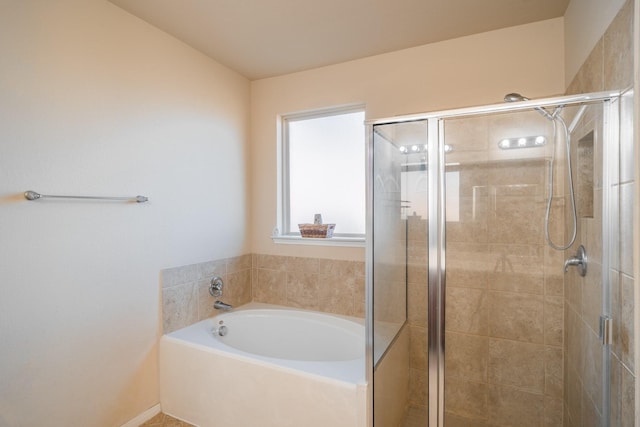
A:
<point x="274" y="367"/>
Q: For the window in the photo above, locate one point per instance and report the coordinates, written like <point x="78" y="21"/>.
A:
<point x="323" y="171"/>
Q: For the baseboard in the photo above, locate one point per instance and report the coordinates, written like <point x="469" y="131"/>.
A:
<point x="143" y="417"/>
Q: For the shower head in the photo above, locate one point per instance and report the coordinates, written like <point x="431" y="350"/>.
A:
<point x="516" y="97"/>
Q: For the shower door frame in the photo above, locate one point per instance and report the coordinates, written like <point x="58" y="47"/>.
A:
<point x="436" y="287"/>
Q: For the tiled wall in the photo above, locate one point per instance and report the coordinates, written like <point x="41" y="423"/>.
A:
<point x="332" y="286"/>
<point x="609" y="66"/>
<point x="185" y="290"/>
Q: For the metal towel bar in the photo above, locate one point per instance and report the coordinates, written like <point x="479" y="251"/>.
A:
<point x="32" y="195"/>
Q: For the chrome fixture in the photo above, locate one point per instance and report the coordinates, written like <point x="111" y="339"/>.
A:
<point x="516" y="97"/>
<point x="32" y="195"/>
<point x="215" y="287"/>
<point x="555" y="118"/>
<point x="221" y="329"/>
<point x="219" y="305"/>
<point x="579" y="260"/>
<point x="522" y="142"/>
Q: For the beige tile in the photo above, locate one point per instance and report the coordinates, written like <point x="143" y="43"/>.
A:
<point x="207" y="270"/>
<point x="618" y="50"/>
<point x="516" y="316"/>
<point x="464" y="277"/>
<point x="627" y="158"/>
<point x="467" y="311"/>
<point x="518" y="178"/>
<point x="468" y="134"/>
<point x="592" y="295"/>
<point x="306" y="265"/>
<point x="474" y="180"/>
<point x="553" y="320"/>
<point x="553" y="285"/>
<point x="417" y="304"/>
<point x="418" y="387"/>
<point x="302" y="290"/>
<point x="590" y="76"/>
<point x="271" y="262"/>
<point x="467" y="356"/>
<point x="239" y="263"/>
<point x="359" y="296"/>
<point x="516" y="219"/>
<point x="178" y="275"/>
<point x="337" y="267"/>
<point x="574" y="342"/>
<point x="416" y="228"/>
<point x="205" y="300"/>
<point x="574" y="392"/>
<point x="590" y="415"/>
<point x="553" y="372"/>
<point x="627" y="398"/>
<point x="573" y="290"/>
<point x="179" y="306"/>
<point x="453" y="420"/>
<point x="417" y="273"/>
<point x="472" y="222"/>
<point x="238" y="288"/>
<point x="517" y="364"/>
<point x="510" y="407"/>
<point x="553" y="412"/>
<point x="626" y="322"/>
<point x="517" y="268"/>
<point x="418" y="348"/>
<point x="614" y="383"/>
<point x="336" y="294"/>
<point x="270" y="286"/>
<point x="465" y="398"/>
<point x="626" y="228"/>
<point x="592" y="372"/>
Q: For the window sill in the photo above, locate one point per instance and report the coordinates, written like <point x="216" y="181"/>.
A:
<point x="357" y="242"/>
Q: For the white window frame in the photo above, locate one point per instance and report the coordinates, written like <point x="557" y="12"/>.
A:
<point x="281" y="233"/>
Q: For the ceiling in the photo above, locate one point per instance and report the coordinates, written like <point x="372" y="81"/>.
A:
<point x="265" y="38"/>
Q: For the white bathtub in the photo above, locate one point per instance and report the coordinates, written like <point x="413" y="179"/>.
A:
<point x="275" y="367"/>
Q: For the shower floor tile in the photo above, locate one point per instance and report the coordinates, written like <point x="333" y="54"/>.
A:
<point x="164" y="420"/>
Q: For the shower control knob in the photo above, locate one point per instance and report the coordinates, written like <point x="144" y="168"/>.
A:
<point x="215" y="288"/>
<point x="579" y="260"/>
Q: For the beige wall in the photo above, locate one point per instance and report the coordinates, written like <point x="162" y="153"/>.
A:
<point x="94" y="101"/>
<point x="472" y="70"/>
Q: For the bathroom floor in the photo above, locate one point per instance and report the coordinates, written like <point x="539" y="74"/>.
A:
<point x="164" y="420"/>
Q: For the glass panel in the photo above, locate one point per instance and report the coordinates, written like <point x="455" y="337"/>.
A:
<point x="516" y="327"/>
<point x="399" y="263"/>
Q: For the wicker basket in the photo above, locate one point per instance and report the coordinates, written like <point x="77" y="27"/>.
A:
<point x="316" y="231"/>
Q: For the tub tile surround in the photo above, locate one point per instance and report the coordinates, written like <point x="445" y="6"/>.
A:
<point x="609" y="66"/>
<point x="332" y="286"/>
<point x="185" y="290"/>
<point x="327" y="285"/>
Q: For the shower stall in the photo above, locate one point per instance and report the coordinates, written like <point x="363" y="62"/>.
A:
<point x="475" y="315"/>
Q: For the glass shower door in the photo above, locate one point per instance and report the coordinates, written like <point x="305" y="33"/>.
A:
<point x="477" y="321"/>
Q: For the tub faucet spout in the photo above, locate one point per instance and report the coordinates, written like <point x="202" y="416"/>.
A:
<point x="222" y="306"/>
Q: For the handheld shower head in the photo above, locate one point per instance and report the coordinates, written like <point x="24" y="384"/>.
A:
<point x="516" y="97"/>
